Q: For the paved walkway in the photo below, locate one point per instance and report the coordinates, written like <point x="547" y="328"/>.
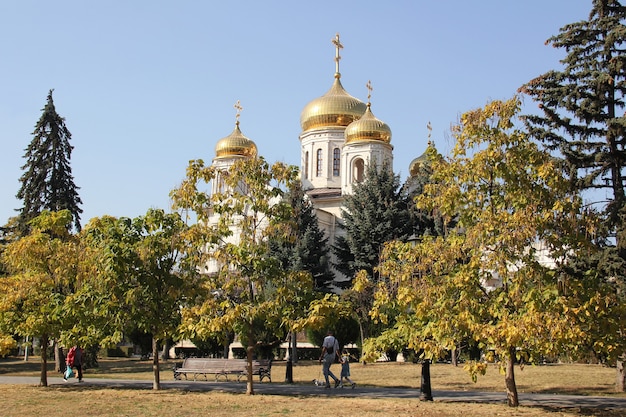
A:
<point x="526" y="399"/>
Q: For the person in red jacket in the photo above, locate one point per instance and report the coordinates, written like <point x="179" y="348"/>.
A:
<point x="74" y="359"/>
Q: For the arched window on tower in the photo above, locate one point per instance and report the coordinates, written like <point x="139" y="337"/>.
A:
<point x="319" y="163"/>
<point x="336" y="161"/>
<point x="306" y="165"/>
<point x="358" y="170"/>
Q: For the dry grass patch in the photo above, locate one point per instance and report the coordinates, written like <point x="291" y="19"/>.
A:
<point x="60" y="401"/>
<point x="95" y="401"/>
<point x="559" y="379"/>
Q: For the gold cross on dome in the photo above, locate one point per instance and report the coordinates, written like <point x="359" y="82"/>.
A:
<point x="338" y="46"/>
<point x="238" y="107"/>
<point x="369" y="89"/>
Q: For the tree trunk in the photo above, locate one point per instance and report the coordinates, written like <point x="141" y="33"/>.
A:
<point x="43" y="381"/>
<point x="90" y="360"/>
<point x="289" y="360"/>
<point x="156" y="384"/>
<point x="165" y="352"/>
<point x="294" y="347"/>
<point x="26" y="344"/>
<point x="226" y="350"/>
<point x="453" y="356"/>
<point x="509" y="378"/>
<point x="620" y="383"/>
<point x="249" y="356"/>
<point x="361" y="332"/>
<point x="59" y="358"/>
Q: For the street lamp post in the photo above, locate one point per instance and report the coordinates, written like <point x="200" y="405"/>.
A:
<point x="427" y="394"/>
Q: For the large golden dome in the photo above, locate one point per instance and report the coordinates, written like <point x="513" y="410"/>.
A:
<point x="368" y="128"/>
<point x="336" y="108"/>
<point x="235" y="144"/>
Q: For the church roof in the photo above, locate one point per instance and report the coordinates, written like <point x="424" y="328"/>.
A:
<point x="235" y="144"/>
<point x="368" y="128"/>
<point x="336" y="108"/>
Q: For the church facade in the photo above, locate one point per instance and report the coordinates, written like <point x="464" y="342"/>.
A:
<point x="340" y="138"/>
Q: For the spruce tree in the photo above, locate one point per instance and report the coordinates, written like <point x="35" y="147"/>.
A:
<point x="582" y="105"/>
<point x="47" y="181"/>
<point x="308" y="249"/>
<point x="375" y="213"/>
<point x="8" y="234"/>
<point x="583" y="120"/>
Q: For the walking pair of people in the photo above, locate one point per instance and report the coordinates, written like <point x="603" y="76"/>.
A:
<point x="74" y="359"/>
<point x="330" y="350"/>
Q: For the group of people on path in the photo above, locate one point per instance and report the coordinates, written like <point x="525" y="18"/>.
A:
<point x="330" y="350"/>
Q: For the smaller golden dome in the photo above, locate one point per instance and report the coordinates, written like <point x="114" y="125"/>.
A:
<point x="235" y="144"/>
<point x="368" y="128"/>
<point x="416" y="164"/>
<point x="336" y="108"/>
<point x="423" y="161"/>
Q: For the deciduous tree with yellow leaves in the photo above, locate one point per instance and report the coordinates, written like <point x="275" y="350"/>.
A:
<point x="43" y="267"/>
<point x="246" y="288"/>
<point x="490" y="279"/>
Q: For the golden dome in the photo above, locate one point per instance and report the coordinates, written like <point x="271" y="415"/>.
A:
<point x="336" y="108"/>
<point x="368" y="128"/>
<point x="235" y="144"/>
<point x="416" y="164"/>
<point x="423" y="161"/>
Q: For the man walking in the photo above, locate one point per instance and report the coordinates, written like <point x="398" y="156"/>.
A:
<point x="330" y="350"/>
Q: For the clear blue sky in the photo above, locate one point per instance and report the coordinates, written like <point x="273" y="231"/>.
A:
<point x="145" y="86"/>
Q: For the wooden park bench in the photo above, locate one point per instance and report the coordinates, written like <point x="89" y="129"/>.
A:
<point x="222" y="368"/>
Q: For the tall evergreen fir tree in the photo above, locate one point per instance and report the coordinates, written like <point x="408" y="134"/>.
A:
<point x="47" y="181"/>
<point x="583" y="119"/>
<point x="8" y="234"/>
<point x="582" y="105"/>
<point x="308" y="249"/>
<point x="376" y="212"/>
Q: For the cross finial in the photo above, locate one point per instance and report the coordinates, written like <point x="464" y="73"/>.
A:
<point x="338" y="46"/>
<point x="430" y="131"/>
<point x="238" y="107"/>
<point x="369" y="90"/>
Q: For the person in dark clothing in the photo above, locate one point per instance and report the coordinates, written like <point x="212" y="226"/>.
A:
<point x="74" y="359"/>
<point x="78" y="362"/>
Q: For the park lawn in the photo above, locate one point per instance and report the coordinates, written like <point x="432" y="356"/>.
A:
<point x="64" y="400"/>
<point x="61" y="400"/>
<point x="554" y="378"/>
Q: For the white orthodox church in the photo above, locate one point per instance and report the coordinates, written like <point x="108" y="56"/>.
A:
<point x="340" y="138"/>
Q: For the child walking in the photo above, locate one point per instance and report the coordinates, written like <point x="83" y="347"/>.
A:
<point x="345" y="369"/>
